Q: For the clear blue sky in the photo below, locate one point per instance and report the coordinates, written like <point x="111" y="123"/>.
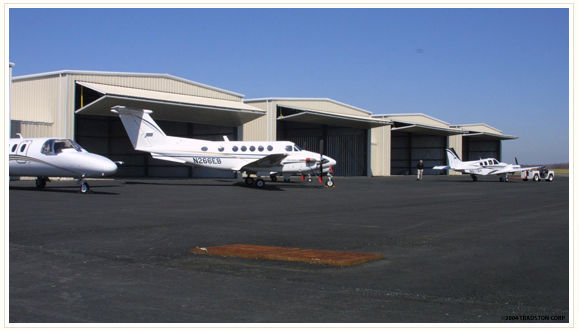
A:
<point x="508" y="68"/>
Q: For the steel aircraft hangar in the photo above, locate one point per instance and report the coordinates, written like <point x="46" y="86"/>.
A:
<point x="76" y="104"/>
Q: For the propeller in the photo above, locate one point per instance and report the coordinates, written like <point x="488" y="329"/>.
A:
<point x="321" y="180"/>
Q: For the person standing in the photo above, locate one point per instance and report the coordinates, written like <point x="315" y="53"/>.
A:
<point x="420" y="168"/>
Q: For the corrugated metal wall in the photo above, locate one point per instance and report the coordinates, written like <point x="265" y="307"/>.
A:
<point x="323" y="105"/>
<point x="161" y="84"/>
<point x="40" y="101"/>
<point x="50" y="99"/>
<point x="260" y="128"/>
<point x="380" y="151"/>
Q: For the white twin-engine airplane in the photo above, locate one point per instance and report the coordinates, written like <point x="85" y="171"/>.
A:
<point x="56" y="157"/>
<point x="259" y="158"/>
<point x="482" y="167"/>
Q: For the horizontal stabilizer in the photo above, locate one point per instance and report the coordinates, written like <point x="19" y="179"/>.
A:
<point x="272" y="160"/>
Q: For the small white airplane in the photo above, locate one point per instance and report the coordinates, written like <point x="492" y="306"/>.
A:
<point x="482" y="167"/>
<point x="259" y="158"/>
<point x="56" y="157"/>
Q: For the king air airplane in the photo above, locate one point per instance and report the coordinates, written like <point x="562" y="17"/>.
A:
<point x="56" y="157"/>
<point x="481" y="167"/>
<point x="259" y="158"/>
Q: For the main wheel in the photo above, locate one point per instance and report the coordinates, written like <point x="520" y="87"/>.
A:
<point x="41" y="182"/>
<point x="259" y="183"/>
<point x="330" y="183"/>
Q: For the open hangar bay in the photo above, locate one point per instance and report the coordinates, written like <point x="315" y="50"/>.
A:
<point x="453" y="251"/>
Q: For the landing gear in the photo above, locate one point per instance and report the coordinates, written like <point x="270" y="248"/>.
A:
<point x="273" y="178"/>
<point x="504" y="179"/>
<point x="255" y="182"/>
<point x="249" y="181"/>
<point x="474" y="178"/>
<point x="84" y="187"/>
<point x="41" y="182"/>
<point x="259" y="183"/>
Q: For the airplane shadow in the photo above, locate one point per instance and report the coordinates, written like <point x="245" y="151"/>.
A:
<point x="269" y="186"/>
<point x="62" y="189"/>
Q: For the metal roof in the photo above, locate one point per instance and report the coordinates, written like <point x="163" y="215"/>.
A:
<point x="170" y="106"/>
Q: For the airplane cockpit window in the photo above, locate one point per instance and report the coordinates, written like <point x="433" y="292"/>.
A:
<point x="297" y="148"/>
<point x="289" y="148"/>
<point x="495" y="162"/>
<point x="56" y="146"/>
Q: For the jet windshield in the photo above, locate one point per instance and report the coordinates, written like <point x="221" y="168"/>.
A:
<point x="56" y="146"/>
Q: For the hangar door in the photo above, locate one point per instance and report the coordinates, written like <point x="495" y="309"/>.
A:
<point x="408" y="148"/>
<point x="347" y="146"/>
<point x="105" y="135"/>
<point x="476" y="148"/>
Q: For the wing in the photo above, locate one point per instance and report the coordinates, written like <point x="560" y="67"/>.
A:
<point x="166" y="158"/>
<point x="441" y="168"/>
<point x="510" y="168"/>
<point x="270" y="161"/>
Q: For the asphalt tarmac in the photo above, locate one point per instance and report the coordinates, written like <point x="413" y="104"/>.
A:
<point x="455" y="251"/>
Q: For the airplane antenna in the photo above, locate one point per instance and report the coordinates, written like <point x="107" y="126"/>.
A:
<point x="19" y="135"/>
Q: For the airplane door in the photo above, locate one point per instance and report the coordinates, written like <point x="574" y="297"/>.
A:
<point x="22" y="150"/>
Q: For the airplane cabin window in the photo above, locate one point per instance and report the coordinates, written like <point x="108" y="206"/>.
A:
<point x="204" y="149"/>
<point x="14" y="148"/>
<point x="22" y="148"/>
<point x="270" y="148"/>
<point x="260" y="148"/>
<point x="235" y="148"/>
<point x="289" y="148"/>
<point x="243" y="148"/>
<point x="252" y="148"/>
<point x="221" y="148"/>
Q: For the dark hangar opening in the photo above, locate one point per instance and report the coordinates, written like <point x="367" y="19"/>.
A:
<point x="348" y="146"/>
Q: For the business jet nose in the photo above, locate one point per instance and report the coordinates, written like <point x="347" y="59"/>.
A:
<point x="102" y="166"/>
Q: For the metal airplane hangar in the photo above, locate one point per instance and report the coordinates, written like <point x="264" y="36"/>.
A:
<point x="452" y="253"/>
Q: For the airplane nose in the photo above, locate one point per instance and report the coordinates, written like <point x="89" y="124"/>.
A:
<point x="328" y="161"/>
<point x="109" y="168"/>
<point x="103" y="166"/>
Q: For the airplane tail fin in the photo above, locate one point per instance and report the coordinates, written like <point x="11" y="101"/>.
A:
<point x="141" y="128"/>
<point x="453" y="159"/>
